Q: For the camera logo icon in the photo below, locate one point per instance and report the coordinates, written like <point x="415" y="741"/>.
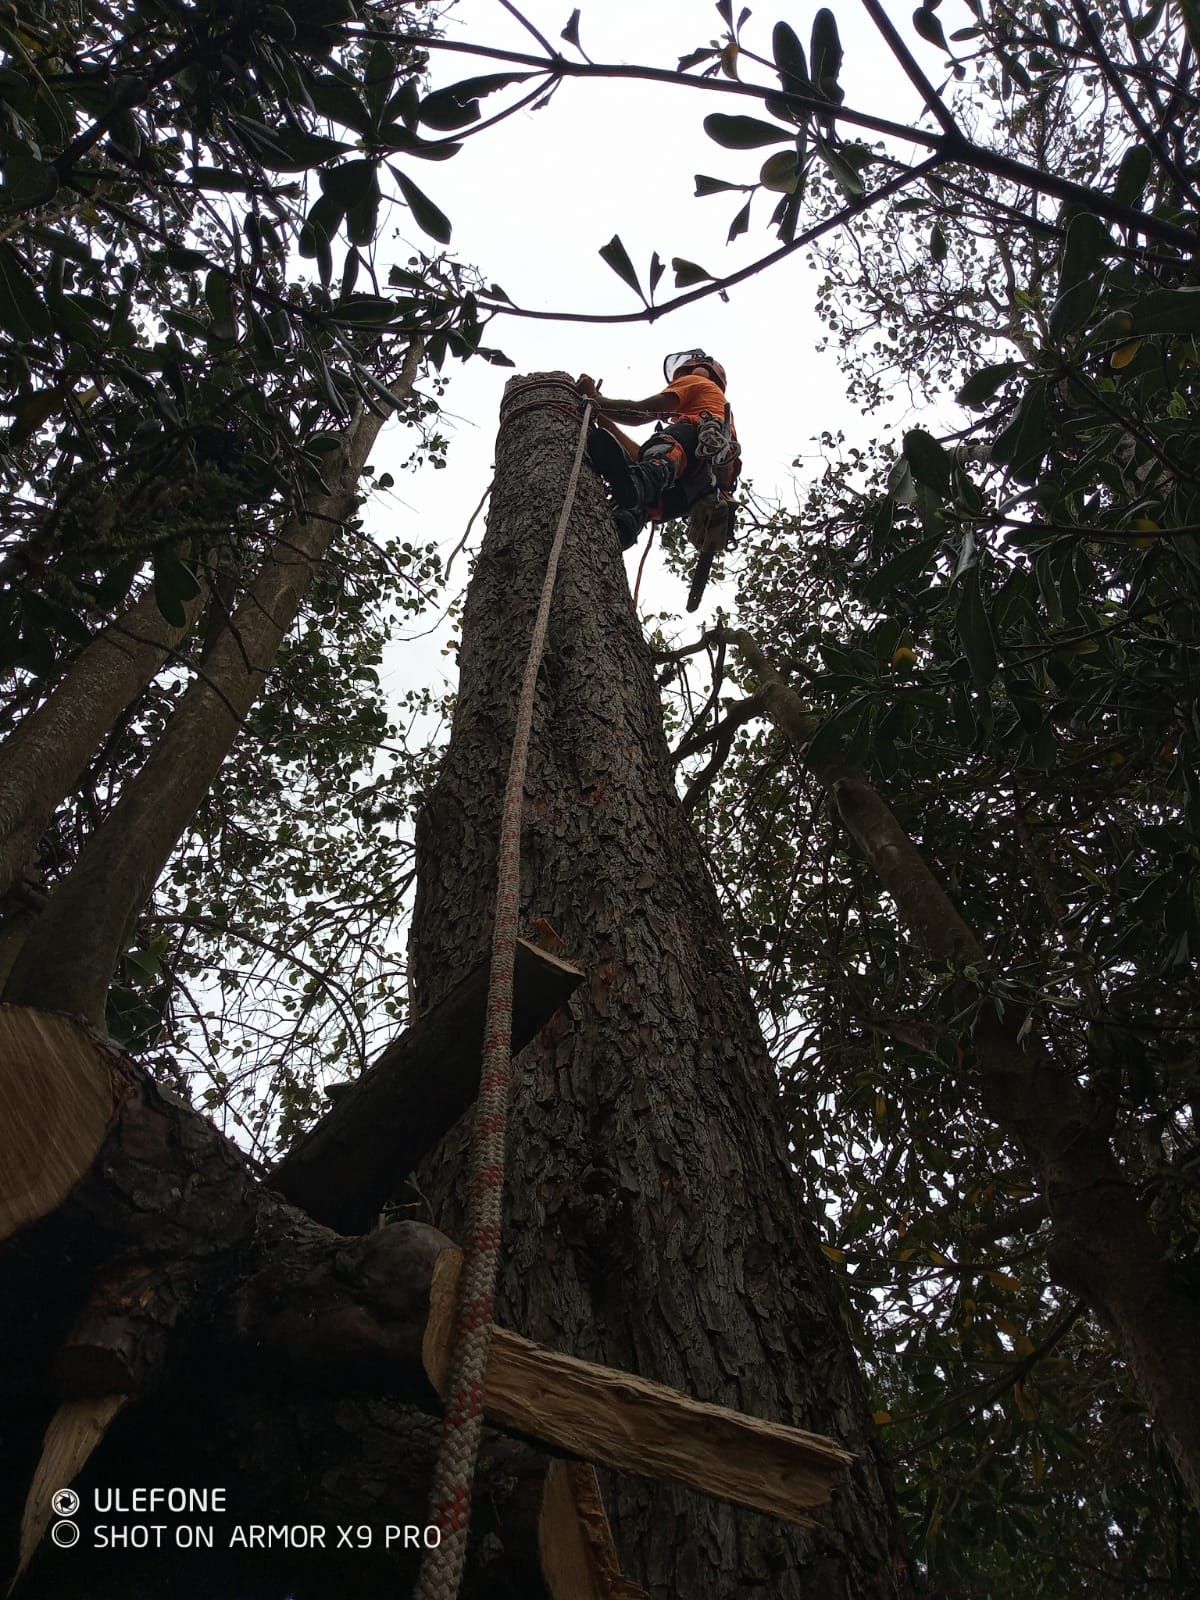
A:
<point x="65" y="1502"/>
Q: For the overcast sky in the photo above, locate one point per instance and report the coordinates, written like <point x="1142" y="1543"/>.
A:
<point x="532" y="200"/>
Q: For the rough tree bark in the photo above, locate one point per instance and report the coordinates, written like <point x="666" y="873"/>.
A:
<point x="653" y="1221"/>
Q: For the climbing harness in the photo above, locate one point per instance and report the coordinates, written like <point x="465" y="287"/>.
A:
<point x="462" y="1424"/>
<point x="711" y="519"/>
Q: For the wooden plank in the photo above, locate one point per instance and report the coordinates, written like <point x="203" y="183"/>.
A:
<point x="343" y="1170"/>
<point x="635" y="1425"/>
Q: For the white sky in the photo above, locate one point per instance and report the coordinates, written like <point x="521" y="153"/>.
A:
<point x="532" y="200"/>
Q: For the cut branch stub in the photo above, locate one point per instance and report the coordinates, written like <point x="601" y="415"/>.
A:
<point x="120" y="1343"/>
<point x="343" y="1170"/>
<point x="60" y="1094"/>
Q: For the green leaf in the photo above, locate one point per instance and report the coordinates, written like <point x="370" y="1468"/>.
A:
<point x="363" y="217"/>
<point x="844" y="175"/>
<point x="1087" y="237"/>
<point x="378" y="78"/>
<point x="458" y="105"/>
<point x="1081" y="276"/>
<point x="687" y="272"/>
<point x="1167" y="311"/>
<point x="220" y="302"/>
<point x="340" y="102"/>
<point x="789" y="59"/>
<point x="174" y="585"/>
<point x="434" y="222"/>
<point x="28" y="181"/>
<point x="780" y="172"/>
<point x="285" y="148"/>
<point x="983" y="385"/>
<point x="349" y="183"/>
<point x="397" y="137"/>
<point x="939" y="247"/>
<point x="1023" y="443"/>
<point x="931" y="464"/>
<point x="22" y="311"/>
<point x="616" y="256"/>
<point x="1133" y="175"/>
<point x="974" y="630"/>
<point x="364" y="310"/>
<point x="836" y="733"/>
<point x="740" y="223"/>
<point x="223" y="179"/>
<point x="900" y="569"/>
<point x="826" y="53"/>
<point x="744" y="133"/>
<point x="928" y="26"/>
<point x="713" y="185"/>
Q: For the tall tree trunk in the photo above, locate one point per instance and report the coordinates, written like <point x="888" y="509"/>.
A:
<point x="653" y="1219"/>
<point x="68" y="959"/>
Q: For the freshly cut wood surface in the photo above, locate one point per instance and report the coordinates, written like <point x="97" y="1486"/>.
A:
<point x="74" y="1432"/>
<point x="59" y="1096"/>
<point x="344" y="1169"/>
<point x="637" y="1426"/>
<point x="579" y="1557"/>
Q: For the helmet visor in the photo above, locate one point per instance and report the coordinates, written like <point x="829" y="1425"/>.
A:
<point x="681" y="358"/>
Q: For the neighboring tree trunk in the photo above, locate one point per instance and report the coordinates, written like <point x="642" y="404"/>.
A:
<point x="653" y="1217"/>
<point x="67" y="961"/>
<point x="45" y="755"/>
<point x="1104" y="1247"/>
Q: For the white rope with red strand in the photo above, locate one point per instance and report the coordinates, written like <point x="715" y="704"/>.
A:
<point x="454" y="1474"/>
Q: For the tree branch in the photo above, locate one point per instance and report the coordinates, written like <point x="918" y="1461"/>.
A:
<point x="913" y="69"/>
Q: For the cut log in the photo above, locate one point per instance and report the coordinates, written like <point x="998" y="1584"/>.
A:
<point x="635" y="1425"/>
<point x="60" y="1096"/>
<point x="345" y="1168"/>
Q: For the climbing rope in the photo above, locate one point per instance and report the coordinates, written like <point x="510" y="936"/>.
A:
<point x="454" y="1473"/>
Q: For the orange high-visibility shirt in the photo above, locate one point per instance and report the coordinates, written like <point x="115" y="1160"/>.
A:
<point x="696" y="395"/>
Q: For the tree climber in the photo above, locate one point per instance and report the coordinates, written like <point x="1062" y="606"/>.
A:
<point x="691" y="463"/>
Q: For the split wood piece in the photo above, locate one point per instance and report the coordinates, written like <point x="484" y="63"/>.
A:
<point x="578" y="1556"/>
<point x="74" y="1432"/>
<point x="59" y="1102"/>
<point x="635" y="1425"/>
<point x="344" y="1169"/>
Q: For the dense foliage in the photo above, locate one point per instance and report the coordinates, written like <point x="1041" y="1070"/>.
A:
<point x="996" y="614"/>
